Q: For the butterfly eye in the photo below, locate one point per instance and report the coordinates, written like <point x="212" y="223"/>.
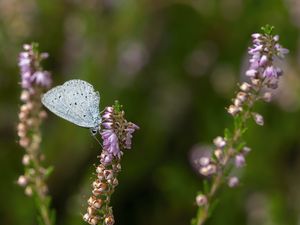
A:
<point x="94" y="131"/>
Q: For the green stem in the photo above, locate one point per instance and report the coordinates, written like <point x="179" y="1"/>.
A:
<point x="42" y="198"/>
<point x="238" y="130"/>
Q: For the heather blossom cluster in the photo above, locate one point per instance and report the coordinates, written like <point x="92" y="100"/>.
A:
<point x="34" y="80"/>
<point x="32" y="74"/>
<point x="116" y="135"/>
<point x="232" y="149"/>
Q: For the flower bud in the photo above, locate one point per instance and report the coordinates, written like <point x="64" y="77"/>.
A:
<point x="242" y="96"/>
<point x="259" y="120"/>
<point x="233" y="182"/>
<point x="208" y="170"/>
<point x="246" y="150"/>
<point x="237" y="102"/>
<point x="219" y="142"/>
<point x="245" y="87"/>
<point x="233" y="110"/>
<point x="239" y="160"/>
<point x="25" y="96"/>
<point x="26" y="160"/>
<point x="108" y="174"/>
<point x="43" y="114"/>
<point x="28" y="191"/>
<point x="22" y="181"/>
<point x="100" y="169"/>
<point x="93" y="220"/>
<point x="90" y="210"/>
<point x="201" y="200"/>
<point x="109" y="220"/>
<point x="251" y="73"/>
<point x="24" y="142"/>
<point x="86" y="217"/>
<point x="219" y="154"/>
<point x="267" y="97"/>
<point x="255" y="82"/>
<point x="204" y="161"/>
<point x="263" y="60"/>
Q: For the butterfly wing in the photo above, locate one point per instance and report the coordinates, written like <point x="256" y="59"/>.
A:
<point x="75" y="101"/>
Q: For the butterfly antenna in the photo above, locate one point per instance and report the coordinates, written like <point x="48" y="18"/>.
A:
<point x="94" y="136"/>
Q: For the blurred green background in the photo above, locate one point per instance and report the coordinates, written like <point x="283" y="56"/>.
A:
<point x="174" y="65"/>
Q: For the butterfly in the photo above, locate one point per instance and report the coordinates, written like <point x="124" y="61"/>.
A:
<point x="75" y="101"/>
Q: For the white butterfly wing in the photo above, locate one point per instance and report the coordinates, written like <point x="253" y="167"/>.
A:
<point x="75" y="101"/>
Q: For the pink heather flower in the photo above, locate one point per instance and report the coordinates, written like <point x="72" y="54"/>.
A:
<point x="239" y="160"/>
<point x="251" y="73"/>
<point x="219" y="142"/>
<point x="110" y="142"/>
<point x="116" y="134"/>
<point x="263" y="60"/>
<point x="259" y="119"/>
<point x="131" y="127"/>
<point x="270" y="72"/>
<point x="256" y="35"/>
<point x="30" y="70"/>
<point x="233" y="182"/>
<point x="42" y="78"/>
<point x="264" y="50"/>
<point x="281" y="52"/>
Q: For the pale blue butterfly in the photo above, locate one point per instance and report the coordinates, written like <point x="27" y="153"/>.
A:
<point x="75" y="101"/>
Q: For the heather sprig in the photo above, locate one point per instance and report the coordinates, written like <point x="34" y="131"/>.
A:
<point x="230" y="150"/>
<point x="116" y="134"/>
<point x="34" y="81"/>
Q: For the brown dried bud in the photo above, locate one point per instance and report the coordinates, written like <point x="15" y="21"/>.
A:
<point x="28" y="191"/>
<point x="96" y="184"/>
<point x="90" y="210"/>
<point x="95" y="202"/>
<point x="208" y="170"/>
<point x="108" y="174"/>
<point x="29" y="106"/>
<point x="237" y="102"/>
<point x="25" y="96"/>
<point x="43" y="114"/>
<point x="22" y="115"/>
<point x="245" y="87"/>
<point x="255" y="82"/>
<point x="219" y="154"/>
<point x="96" y="192"/>
<point x="21" y="133"/>
<point x="242" y="96"/>
<point x="109" y="220"/>
<point x="21" y="127"/>
<point x="100" y="168"/>
<point x="233" y="110"/>
<point x="24" y="108"/>
<point x="26" y="160"/>
<point x="93" y="220"/>
<point x="115" y="182"/>
<point x="24" y="142"/>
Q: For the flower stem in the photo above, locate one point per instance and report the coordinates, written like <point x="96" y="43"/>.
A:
<point x="217" y="180"/>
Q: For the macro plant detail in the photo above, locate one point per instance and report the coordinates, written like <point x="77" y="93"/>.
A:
<point x="116" y="134"/>
<point x="34" y="81"/>
<point x="77" y="102"/>
<point x="231" y="150"/>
